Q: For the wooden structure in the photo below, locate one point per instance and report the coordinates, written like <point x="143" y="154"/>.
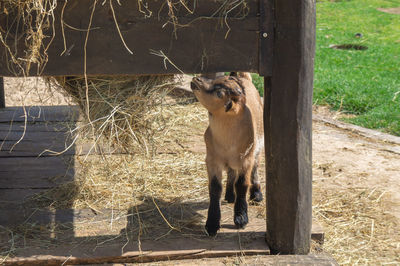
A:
<point x="275" y="39"/>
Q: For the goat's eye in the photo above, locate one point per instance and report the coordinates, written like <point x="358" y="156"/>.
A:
<point x="217" y="87"/>
<point x="219" y="94"/>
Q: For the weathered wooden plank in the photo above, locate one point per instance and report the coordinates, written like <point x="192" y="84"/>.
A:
<point x="2" y="95"/>
<point x="176" y="259"/>
<point x="213" y="44"/>
<point x="287" y="122"/>
<point x="266" y="37"/>
<point x="20" y="215"/>
<point x="50" y="149"/>
<point x="33" y="163"/>
<point x="34" y="173"/>
<point x="162" y="250"/>
<point x="13" y="197"/>
<point x="317" y="232"/>
<point x="33" y="136"/>
<point x="34" y="148"/>
<point x="43" y="178"/>
<point x="37" y="127"/>
<point x="85" y="238"/>
<point x="85" y="228"/>
<point x="39" y="114"/>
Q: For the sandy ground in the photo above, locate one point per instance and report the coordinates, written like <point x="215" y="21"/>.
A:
<point x="394" y="10"/>
<point x="341" y="159"/>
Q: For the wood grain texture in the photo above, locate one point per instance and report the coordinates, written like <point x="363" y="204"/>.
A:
<point x="205" y="41"/>
<point x="2" y="95"/>
<point x="31" y="172"/>
<point x="32" y="114"/>
<point x="81" y="232"/>
<point x="82" y="242"/>
<point x="310" y="260"/>
<point x="287" y="122"/>
<point x="266" y="37"/>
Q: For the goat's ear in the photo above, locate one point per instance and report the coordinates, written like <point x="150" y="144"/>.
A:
<point x="245" y="75"/>
<point x="228" y="105"/>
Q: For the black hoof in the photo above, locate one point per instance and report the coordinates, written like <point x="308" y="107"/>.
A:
<point x="212" y="228"/>
<point x="256" y="196"/>
<point x="230" y="198"/>
<point x="241" y="220"/>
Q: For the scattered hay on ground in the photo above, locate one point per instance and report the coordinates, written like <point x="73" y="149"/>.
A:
<point x="358" y="228"/>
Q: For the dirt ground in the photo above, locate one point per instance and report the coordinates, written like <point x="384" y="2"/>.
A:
<point x="394" y="10"/>
<point x="343" y="162"/>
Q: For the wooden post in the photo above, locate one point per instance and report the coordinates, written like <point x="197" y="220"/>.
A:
<point x="2" y="95"/>
<point x="287" y="123"/>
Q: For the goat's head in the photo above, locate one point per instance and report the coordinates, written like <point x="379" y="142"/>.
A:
<point x="224" y="94"/>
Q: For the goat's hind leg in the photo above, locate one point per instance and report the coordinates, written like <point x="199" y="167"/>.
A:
<point x="230" y="192"/>
<point x="215" y="191"/>
<point x="255" y="189"/>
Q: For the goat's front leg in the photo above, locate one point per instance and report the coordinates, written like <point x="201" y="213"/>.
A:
<point x="230" y="191"/>
<point x="241" y="186"/>
<point x="215" y="191"/>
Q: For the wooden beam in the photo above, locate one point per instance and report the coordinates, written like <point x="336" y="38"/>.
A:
<point x="2" y="94"/>
<point x="266" y="37"/>
<point x="208" y="40"/>
<point x="287" y="123"/>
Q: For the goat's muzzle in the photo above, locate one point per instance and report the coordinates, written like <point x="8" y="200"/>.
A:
<point x="196" y="83"/>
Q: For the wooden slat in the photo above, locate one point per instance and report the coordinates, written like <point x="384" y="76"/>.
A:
<point x="266" y="37"/>
<point x="176" y="259"/>
<point x="43" y="178"/>
<point x="33" y="148"/>
<point x="32" y="136"/>
<point x="6" y="164"/>
<point x="60" y="146"/>
<point x="35" y="173"/>
<point x="21" y="215"/>
<point x="2" y="95"/>
<point x="213" y="44"/>
<point x="79" y="242"/>
<point x="36" y="127"/>
<point x="287" y="124"/>
<point x="39" y="114"/>
<point x="162" y="250"/>
<point x="193" y="242"/>
<point x="13" y="197"/>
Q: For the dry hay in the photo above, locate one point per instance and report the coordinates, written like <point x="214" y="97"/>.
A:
<point x="358" y="228"/>
<point x="115" y="181"/>
<point x="129" y="111"/>
<point x="30" y="21"/>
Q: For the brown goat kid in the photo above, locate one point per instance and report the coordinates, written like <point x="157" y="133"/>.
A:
<point x="234" y="141"/>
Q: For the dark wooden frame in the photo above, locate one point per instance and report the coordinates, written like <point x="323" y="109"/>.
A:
<point x="285" y="55"/>
<point x="2" y="96"/>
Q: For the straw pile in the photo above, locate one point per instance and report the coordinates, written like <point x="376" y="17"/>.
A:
<point x="32" y="21"/>
<point x="125" y="111"/>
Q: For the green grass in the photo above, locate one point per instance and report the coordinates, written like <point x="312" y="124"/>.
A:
<point x="365" y="83"/>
